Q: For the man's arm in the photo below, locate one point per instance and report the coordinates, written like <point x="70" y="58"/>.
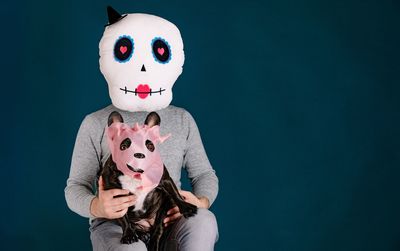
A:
<point x="200" y="172"/>
<point x="84" y="167"/>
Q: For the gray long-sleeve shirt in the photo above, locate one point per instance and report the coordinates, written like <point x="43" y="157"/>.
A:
<point x="183" y="149"/>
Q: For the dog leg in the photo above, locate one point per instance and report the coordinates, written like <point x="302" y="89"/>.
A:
<point x="186" y="209"/>
<point x="158" y="227"/>
<point x="128" y="231"/>
<point x="169" y="187"/>
<point x="154" y="244"/>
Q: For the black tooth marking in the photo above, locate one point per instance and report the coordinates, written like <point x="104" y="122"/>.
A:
<point x="126" y="90"/>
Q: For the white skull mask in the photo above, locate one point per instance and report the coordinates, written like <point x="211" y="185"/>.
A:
<point x="141" y="56"/>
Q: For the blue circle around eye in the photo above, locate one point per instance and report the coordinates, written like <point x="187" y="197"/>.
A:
<point x="161" y="50"/>
<point x="123" y="49"/>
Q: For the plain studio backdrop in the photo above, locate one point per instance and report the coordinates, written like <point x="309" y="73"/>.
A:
<point x="298" y="105"/>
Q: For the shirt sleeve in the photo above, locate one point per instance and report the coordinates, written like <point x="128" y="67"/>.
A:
<point x="85" y="164"/>
<point x="200" y="172"/>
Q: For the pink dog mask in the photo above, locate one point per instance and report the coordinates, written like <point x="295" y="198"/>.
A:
<point x="135" y="152"/>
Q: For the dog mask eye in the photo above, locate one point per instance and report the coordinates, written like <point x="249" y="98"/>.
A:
<point x="150" y="145"/>
<point x="125" y="144"/>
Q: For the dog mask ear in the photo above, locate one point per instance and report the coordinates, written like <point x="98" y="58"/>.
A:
<point x="152" y="119"/>
<point x="115" y="117"/>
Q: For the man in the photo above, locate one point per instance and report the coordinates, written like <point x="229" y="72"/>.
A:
<point x="141" y="56"/>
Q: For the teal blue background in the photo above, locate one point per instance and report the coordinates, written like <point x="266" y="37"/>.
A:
<point x="297" y="102"/>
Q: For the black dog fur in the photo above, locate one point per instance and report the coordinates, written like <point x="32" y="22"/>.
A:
<point x="156" y="204"/>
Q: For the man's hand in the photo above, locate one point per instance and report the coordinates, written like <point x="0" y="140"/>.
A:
<point x="200" y="202"/>
<point x="106" y="206"/>
<point x="174" y="214"/>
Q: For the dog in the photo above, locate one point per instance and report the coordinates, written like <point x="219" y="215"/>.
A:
<point x="135" y="164"/>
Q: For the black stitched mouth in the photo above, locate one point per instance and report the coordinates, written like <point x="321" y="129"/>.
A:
<point x="136" y="92"/>
<point x="136" y="170"/>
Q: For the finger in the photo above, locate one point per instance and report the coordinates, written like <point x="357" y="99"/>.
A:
<point x="120" y="214"/>
<point x="116" y="192"/>
<point x="110" y="194"/>
<point x="132" y="203"/>
<point x="101" y="186"/>
<point x="169" y="220"/>
<point x="120" y="207"/>
<point x="185" y="194"/>
<point x="172" y="218"/>
<point x="125" y="199"/>
<point x="166" y="220"/>
<point x="173" y="210"/>
<point x="182" y="192"/>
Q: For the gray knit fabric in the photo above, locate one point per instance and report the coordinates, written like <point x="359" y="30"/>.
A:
<point x="183" y="149"/>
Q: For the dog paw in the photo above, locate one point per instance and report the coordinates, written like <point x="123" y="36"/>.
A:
<point x="145" y="237"/>
<point x="153" y="246"/>
<point x="128" y="239"/>
<point x="189" y="211"/>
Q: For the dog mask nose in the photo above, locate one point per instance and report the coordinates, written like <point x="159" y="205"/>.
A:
<point x="139" y="155"/>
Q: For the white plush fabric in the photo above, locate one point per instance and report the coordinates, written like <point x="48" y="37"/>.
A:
<point x="126" y="76"/>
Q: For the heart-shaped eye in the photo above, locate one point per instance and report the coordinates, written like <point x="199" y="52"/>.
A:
<point x="123" y="49"/>
<point x="161" y="50"/>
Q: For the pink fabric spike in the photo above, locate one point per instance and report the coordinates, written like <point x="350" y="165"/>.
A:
<point x="114" y="131"/>
<point x="136" y="127"/>
<point x="148" y="168"/>
<point x="154" y="134"/>
<point x="164" y="138"/>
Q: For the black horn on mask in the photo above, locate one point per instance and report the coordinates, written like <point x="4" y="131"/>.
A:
<point x="113" y="16"/>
